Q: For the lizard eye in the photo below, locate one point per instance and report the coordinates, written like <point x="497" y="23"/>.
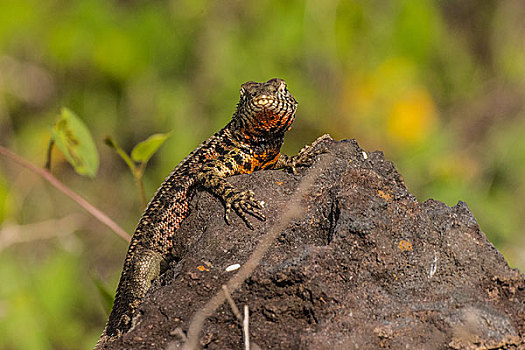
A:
<point x="282" y="88"/>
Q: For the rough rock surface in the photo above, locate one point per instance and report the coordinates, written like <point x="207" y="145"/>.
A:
<point x="365" y="265"/>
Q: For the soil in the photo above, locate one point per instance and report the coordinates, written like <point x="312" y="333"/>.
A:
<point x="363" y="266"/>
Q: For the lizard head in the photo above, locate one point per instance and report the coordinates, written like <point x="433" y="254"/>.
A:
<point x="266" y="108"/>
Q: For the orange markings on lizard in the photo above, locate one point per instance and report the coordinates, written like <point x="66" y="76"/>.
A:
<point x="404" y="245"/>
<point x="384" y="195"/>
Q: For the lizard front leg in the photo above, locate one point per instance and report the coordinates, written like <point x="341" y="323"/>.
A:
<point x="305" y="156"/>
<point x="212" y="178"/>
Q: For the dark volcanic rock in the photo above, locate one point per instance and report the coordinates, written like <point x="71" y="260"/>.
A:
<point x="363" y="266"/>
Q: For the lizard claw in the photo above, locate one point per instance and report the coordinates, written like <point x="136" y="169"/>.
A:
<point x="227" y="213"/>
<point x="244" y="203"/>
<point x="306" y="156"/>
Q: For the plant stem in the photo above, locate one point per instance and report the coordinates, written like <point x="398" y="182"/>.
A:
<point x="49" y="151"/>
<point x="136" y="171"/>
<point x="138" y="177"/>
<point x="99" y="215"/>
<point x="113" y="144"/>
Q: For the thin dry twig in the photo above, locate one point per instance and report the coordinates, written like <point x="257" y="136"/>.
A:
<point x="292" y="210"/>
<point x="99" y="215"/>
<point x="13" y="234"/>
<point x="246" y="327"/>
<point x="234" y="307"/>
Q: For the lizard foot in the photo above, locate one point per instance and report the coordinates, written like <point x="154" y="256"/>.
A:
<point x="243" y="203"/>
<point x="306" y="155"/>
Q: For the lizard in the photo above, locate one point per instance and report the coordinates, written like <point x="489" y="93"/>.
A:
<point x="251" y="141"/>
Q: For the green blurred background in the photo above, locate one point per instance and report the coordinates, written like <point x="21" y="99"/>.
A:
<point x="438" y="86"/>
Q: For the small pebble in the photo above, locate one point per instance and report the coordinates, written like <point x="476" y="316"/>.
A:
<point x="232" y="267"/>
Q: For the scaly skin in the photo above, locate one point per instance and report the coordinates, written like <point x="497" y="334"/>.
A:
<point x="251" y="141"/>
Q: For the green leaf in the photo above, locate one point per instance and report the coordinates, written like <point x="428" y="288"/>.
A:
<point x="143" y="151"/>
<point x="73" y="138"/>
